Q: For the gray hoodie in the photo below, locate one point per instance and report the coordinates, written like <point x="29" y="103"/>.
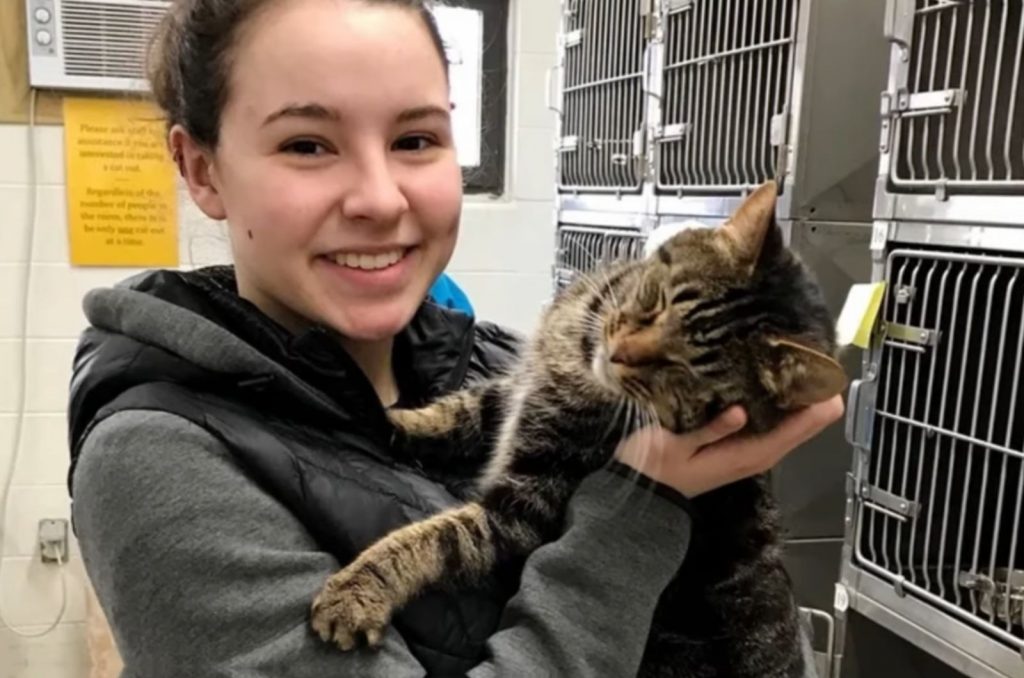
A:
<point x="202" y="573"/>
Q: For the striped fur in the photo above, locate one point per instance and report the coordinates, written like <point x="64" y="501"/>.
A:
<point x="711" y="319"/>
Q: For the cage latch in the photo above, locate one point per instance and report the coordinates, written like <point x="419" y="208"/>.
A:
<point x="892" y="505"/>
<point x="919" y="336"/>
<point x="675" y="132"/>
<point x="1000" y="596"/>
<point x="673" y="6"/>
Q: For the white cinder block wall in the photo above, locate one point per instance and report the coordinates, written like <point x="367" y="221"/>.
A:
<point x="503" y="261"/>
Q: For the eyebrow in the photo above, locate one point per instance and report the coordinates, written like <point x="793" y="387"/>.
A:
<point x="314" y="111"/>
<point x="320" y="112"/>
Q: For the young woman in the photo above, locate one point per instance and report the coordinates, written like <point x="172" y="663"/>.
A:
<point x="228" y="433"/>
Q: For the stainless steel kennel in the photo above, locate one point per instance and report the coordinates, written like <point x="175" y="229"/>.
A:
<point x="934" y="545"/>
<point x="897" y="130"/>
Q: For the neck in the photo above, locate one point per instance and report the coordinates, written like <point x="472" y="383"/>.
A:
<point x="374" y="359"/>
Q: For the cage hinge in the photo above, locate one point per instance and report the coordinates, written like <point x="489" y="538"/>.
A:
<point x="893" y="505"/>
<point x="918" y="336"/>
<point x="569" y="144"/>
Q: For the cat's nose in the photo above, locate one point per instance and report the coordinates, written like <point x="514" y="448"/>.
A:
<point x="639" y="348"/>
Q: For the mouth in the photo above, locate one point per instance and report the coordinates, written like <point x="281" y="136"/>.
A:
<point x="364" y="261"/>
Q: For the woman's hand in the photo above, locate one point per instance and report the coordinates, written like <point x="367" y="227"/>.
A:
<point x="702" y="460"/>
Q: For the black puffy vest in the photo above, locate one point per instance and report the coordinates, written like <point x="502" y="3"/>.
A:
<point x="329" y="466"/>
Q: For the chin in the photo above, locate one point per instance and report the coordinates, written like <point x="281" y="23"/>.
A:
<point x="376" y="322"/>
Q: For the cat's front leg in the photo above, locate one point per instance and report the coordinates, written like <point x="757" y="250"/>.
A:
<point x="358" y="602"/>
<point x="458" y="428"/>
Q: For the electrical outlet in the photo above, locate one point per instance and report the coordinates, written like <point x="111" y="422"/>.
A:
<point x="53" y="540"/>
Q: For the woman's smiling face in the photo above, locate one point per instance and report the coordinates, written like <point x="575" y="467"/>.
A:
<point x="335" y="165"/>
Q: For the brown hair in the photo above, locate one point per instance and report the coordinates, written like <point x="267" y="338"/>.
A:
<point x="190" y="58"/>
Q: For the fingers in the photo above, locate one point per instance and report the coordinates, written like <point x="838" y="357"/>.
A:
<point x="742" y="457"/>
<point x="803" y="425"/>
<point x="728" y="422"/>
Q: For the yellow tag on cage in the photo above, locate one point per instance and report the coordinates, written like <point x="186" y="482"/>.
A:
<point x="859" y="313"/>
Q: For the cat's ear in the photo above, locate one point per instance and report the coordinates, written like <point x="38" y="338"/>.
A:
<point x="799" y="376"/>
<point x="752" y="224"/>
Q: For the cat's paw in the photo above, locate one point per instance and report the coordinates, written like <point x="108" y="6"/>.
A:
<point x="353" y="608"/>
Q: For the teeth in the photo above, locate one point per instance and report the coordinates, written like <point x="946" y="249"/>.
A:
<point x="368" y="262"/>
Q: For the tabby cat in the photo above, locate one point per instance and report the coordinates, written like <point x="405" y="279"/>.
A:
<point x="714" y="317"/>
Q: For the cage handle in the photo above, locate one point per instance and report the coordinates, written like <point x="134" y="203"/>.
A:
<point x="853" y="401"/>
<point x="548" y="96"/>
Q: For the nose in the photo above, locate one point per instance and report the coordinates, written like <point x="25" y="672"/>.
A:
<point x="376" y="195"/>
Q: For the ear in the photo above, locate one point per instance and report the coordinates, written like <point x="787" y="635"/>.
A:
<point x="195" y="164"/>
<point x="748" y="227"/>
<point x="799" y="376"/>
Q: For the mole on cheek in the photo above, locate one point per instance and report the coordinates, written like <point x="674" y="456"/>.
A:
<point x="250" y="234"/>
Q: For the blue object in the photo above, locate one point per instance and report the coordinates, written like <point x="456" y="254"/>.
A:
<point x="444" y="292"/>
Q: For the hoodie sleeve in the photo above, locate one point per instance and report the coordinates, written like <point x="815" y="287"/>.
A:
<point x="201" y="573"/>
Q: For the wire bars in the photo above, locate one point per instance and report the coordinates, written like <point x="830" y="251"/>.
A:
<point x="727" y="82"/>
<point x="603" y="96"/>
<point x="959" y="121"/>
<point x="941" y="506"/>
<point x="581" y="250"/>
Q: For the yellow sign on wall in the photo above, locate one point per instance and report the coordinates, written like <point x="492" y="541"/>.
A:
<point x="122" y="202"/>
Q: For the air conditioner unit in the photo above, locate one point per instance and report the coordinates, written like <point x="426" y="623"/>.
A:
<point x="92" y="45"/>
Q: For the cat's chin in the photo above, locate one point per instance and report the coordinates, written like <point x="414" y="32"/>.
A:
<point x="600" y="367"/>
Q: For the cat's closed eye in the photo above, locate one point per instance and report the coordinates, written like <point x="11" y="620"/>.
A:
<point x="686" y="294"/>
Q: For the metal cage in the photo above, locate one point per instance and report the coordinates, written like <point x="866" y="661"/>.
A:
<point x="681" y="107"/>
<point x="602" y="108"/>
<point x="938" y="488"/>
<point x="727" y="77"/>
<point x="582" y="249"/>
<point x="953" y="113"/>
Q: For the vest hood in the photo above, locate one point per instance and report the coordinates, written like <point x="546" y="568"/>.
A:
<point x="192" y="329"/>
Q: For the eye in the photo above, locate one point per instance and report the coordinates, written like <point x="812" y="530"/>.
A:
<point x="415" y="142"/>
<point x="686" y="294"/>
<point x="309" y="147"/>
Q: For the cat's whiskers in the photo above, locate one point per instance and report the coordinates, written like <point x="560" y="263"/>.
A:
<point x="597" y="265"/>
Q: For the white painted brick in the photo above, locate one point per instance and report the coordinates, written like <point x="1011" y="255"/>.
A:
<point x="534" y="164"/>
<point x="49" y="154"/>
<point x="11" y="300"/>
<point x="49" y="374"/>
<point x="537" y="25"/>
<point x="44" y="458"/>
<point x="14" y="216"/>
<point x="30" y="504"/>
<point x="49" y="149"/>
<point x="31" y="591"/>
<point x="51" y="240"/>
<point x="531" y="90"/>
<point x="51" y="223"/>
<point x="203" y="241"/>
<point x="6" y="446"/>
<point x="62" y="653"/>
<point x="509" y="237"/>
<point x="56" y="299"/>
<point x="513" y="300"/>
<point x="10" y="368"/>
<point x="14" y="141"/>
